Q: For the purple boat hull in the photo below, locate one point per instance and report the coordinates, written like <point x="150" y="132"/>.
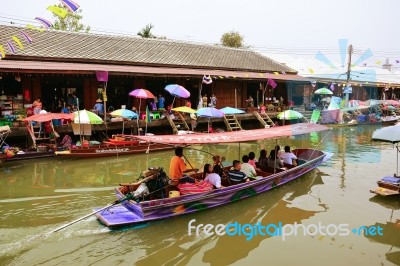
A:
<point x="131" y="212"/>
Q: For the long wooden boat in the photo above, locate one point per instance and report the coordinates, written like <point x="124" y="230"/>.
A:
<point x="117" y="145"/>
<point x="135" y="211"/>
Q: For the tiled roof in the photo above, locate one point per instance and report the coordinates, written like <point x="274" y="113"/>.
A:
<point x="83" y="47"/>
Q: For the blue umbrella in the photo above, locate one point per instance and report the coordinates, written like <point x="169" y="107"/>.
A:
<point x="231" y="111"/>
<point x="125" y="113"/>
<point x="209" y="112"/>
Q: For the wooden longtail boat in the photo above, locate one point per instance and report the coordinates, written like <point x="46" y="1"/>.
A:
<point x="133" y="211"/>
<point x="117" y="145"/>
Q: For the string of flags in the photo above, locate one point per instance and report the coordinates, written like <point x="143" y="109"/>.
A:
<point x="62" y="12"/>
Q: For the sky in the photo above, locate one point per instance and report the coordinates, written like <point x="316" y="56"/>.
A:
<point x="298" y="28"/>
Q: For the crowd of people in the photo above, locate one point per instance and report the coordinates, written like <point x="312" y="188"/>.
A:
<point x="240" y="172"/>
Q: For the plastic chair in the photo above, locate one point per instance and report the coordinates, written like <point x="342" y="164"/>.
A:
<point x="156" y="116"/>
<point x="143" y="116"/>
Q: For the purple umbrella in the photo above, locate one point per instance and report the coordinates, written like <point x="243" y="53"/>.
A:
<point x="177" y="91"/>
<point x="141" y="94"/>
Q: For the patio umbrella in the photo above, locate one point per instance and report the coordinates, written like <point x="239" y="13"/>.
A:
<point x="125" y="114"/>
<point x="389" y="134"/>
<point x="289" y="115"/>
<point x="323" y="91"/>
<point x="209" y="112"/>
<point x="141" y="94"/>
<point x="184" y="109"/>
<point x="87" y="117"/>
<point x="231" y="111"/>
<point x="177" y="91"/>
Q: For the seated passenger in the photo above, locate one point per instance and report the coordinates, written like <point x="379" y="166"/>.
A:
<point x="263" y="160"/>
<point x="235" y="175"/>
<point x="274" y="161"/>
<point x="288" y="157"/>
<point x="252" y="159"/>
<point x="214" y="178"/>
<point x="208" y="169"/>
<point x="247" y="168"/>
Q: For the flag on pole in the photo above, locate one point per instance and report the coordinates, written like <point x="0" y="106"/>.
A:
<point x="207" y="79"/>
<point x="272" y="83"/>
<point x="47" y="24"/>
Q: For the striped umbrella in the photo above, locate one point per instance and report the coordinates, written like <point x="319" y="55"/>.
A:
<point x="87" y="117"/>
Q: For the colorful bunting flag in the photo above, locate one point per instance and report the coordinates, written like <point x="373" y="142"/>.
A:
<point x="283" y="72"/>
<point x="207" y="79"/>
<point x="311" y="70"/>
<point x="261" y="75"/>
<point x="29" y="26"/>
<point x="276" y="73"/>
<point x="3" y="54"/>
<point x="17" y="41"/>
<point x="397" y="61"/>
<point x="47" y="24"/>
<point x="272" y="83"/>
<point x="378" y="62"/>
<point x="332" y="87"/>
<point x="70" y="5"/>
<point x="11" y="47"/>
<point x="58" y="11"/>
<point x="26" y="36"/>
<point x="221" y="77"/>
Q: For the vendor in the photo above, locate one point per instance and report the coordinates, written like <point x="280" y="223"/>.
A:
<point x="99" y="107"/>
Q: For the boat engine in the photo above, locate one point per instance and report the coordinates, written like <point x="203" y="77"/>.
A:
<point x="159" y="181"/>
<point x="141" y="192"/>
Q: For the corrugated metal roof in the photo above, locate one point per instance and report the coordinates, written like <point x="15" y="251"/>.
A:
<point x="61" y="67"/>
<point x="83" y="47"/>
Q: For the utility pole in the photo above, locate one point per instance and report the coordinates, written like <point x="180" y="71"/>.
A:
<point x="350" y="51"/>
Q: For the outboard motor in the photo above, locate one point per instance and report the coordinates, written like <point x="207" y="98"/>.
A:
<point x="157" y="184"/>
<point x="141" y="191"/>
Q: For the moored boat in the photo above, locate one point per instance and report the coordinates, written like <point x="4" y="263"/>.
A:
<point x="117" y="145"/>
<point x="142" y="203"/>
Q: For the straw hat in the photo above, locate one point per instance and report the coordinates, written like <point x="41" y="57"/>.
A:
<point x="99" y="101"/>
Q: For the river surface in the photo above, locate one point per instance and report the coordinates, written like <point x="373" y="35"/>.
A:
<point x="39" y="196"/>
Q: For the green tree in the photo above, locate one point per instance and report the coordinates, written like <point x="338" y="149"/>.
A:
<point x="71" y="22"/>
<point x="146" y="32"/>
<point x="232" y="39"/>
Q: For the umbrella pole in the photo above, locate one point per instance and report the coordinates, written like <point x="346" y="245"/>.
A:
<point x="79" y="120"/>
<point x="397" y="161"/>
<point x="137" y="120"/>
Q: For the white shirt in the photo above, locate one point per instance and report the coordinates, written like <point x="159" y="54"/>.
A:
<point x="214" y="179"/>
<point x="248" y="169"/>
<point x="288" y="158"/>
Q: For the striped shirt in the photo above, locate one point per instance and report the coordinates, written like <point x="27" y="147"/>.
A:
<point x="236" y="176"/>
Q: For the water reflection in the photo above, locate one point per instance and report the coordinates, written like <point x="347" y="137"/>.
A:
<point x="37" y="196"/>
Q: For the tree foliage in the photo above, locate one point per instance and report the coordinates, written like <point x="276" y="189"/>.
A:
<point x="146" y="32"/>
<point x="232" y="39"/>
<point x="71" y="22"/>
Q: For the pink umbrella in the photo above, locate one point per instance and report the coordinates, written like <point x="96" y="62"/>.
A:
<point x="141" y="94"/>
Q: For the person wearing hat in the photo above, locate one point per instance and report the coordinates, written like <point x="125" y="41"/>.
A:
<point x="99" y="107"/>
